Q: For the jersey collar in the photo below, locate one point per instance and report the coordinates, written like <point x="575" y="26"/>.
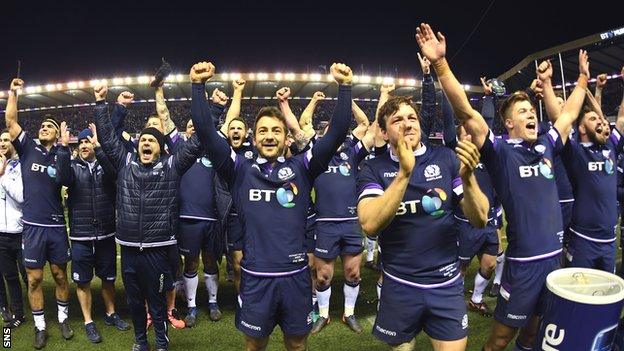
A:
<point x="261" y="160"/>
<point x="418" y="152"/>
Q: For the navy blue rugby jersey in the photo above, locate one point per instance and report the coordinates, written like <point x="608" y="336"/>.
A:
<point x="42" y="191"/>
<point x="197" y="192"/>
<point x="419" y="246"/>
<point x="524" y="181"/>
<point x="336" y="197"/>
<point x="592" y="170"/>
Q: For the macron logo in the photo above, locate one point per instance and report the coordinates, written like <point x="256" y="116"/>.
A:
<point x="385" y="331"/>
<point x="389" y="174"/>
<point x="321" y="250"/>
<point x="252" y="327"/>
<point x="515" y="316"/>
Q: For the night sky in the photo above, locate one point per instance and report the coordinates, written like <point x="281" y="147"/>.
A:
<point x="63" y="41"/>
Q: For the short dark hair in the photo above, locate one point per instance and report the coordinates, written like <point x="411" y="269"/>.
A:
<point x="270" y="111"/>
<point x="5" y="130"/>
<point x="585" y="109"/>
<point x="239" y="120"/>
<point x="508" y="103"/>
<point x="391" y="106"/>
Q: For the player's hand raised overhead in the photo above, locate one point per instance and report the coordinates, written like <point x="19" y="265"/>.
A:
<point x="218" y="97"/>
<point x="201" y="72"/>
<point x="282" y="94"/>
<point x="125" y="98"/>
<point x="100" y="91"/>
<point x="433" y="46"/>
<point x="342" y="73"/>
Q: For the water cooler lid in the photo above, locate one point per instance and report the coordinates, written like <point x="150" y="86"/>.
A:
<point x="588" y="286"/>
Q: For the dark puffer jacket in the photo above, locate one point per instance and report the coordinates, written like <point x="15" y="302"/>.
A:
<point x="147" y="195"/>
<point x="91" y="195"/>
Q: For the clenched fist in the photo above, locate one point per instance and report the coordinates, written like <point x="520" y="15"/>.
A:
<point x="318" y="96"/>
<point x="283" y="94"/>
<point x="100" y="91"/>
<point x="342" y="73"/>
<point x="125" y="98"/>
<point x="238" y="84"/>
<point x="201" y="72"/>
<point x="386" y="88"/>
<point x="16" y="84"/>
<point x="601" y="81"/>
<point x="218" y="97"/>
<point x="544" y="71"/>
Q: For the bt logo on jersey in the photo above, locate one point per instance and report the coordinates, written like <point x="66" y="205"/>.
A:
<point x="285" y="195"/>
<point x="599" y="166"/>
<point x="544" y="168"/>
<point x="432" y="202"/>
<point x="344" y="169"/>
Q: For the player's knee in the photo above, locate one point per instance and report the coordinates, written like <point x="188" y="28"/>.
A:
<point x="256" y="344"/>
<point x="295" y="343"/>
<point x="34" y="280"/>
<point x="352" y="274"/>
<point x="191" y="264"/>
<point x="85" y="286"/>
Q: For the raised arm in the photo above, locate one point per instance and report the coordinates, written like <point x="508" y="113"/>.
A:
<point x="64" y="172"/>
<point x="301" y="139"/>
<point x="109" y="139"/>
<point x="544" y="75"/>
<point x="488" y="105"/>
<point x="322" y="152"/>
<point x="449" y="133"/>
<point x="384" y="95"/>
<point x="305" y="120"/>
<point x="163" y="112"/>
<point x="235" y="105"/>
<point x="376" y="213"/>
<point x="427" y="108"/>
<point x="10" y="115"/>
<point x="107" y="166"/>
<point x="217" y="148"/>
<point x="434" y="48"/>
<point x="572" y="107"/>
<point x="619" y="123"/>
<point x="601" y="81"/>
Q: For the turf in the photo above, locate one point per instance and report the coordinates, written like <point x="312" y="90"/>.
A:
<point x="223" y="335"/>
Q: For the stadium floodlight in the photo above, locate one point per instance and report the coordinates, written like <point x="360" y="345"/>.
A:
<point x="1" y="94"/>
<point x="251" y="76"/>
<point x="278" y="76"/>
<point x="411" y="82"/>
<point x="72" y="85"/>
<point x="30" y="90"/>
<point x="225" y="76"/>
<point x="234" y="76"/>
<point x="50" y="87"/>
<point x="315" y="77"/>
<point x="59" y="86"/>
<point x="289" y="76"/>
<point x="179" y="77"/>
<point x="262" y="76"/>
<point x="128" y="80"/>
<point x="466" y="86"/>
<point x="304" y="76"/>
<point x="401" y="81"/>
<point x="81" y="84"/>
<point x="388" y="80"/>
<point x="143" y="79"/>
<point x="117" y="81"/>
<point x="365" y="79"/>
<point x="94" y="82"/>
<point x="379" y="80"/>
<point x="356" y="79"/>
<point x="330" y="78"/>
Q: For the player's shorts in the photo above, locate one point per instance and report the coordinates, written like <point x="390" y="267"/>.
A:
<point x="270" y="301"/>
<point x="234" y="230"/>
<point x="88" y="256"/>
<point x="474" y="241"/>
<point x="335" y="238"/>
<point x="522" y="290"/>
<point x="585" y="253"/>
<point x="196" y="235"/>
<point x="406" y="310"/>
<point x="41" y="244"/>
<point x="310" y="239"/>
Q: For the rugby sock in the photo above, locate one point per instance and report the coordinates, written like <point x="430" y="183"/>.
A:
<point x="351" y="291"/>
<point x="500" y="263"/>
<point x="39" y="319"/>
<point x="63" y="310"/>
<point x="191" y="280"/>
<point x="323" y="294"/>
<point x="370" y="249"/>
<point x="212" y="285"/>
<point x="314" y="298"/>
<point x="519" y="347"/>
<point x="379" y="290"/>
<point x="480" y="284"/>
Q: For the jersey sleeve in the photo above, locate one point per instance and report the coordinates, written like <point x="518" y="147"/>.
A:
<point x="23" y="145"/>
<point x="555" y="140"/>
<point x="489" y="149"/>
<point x="457" y="184"/>
<point x="616" y="141"/>
<point x="359" y="152"/>
<point x="368" y="184"/>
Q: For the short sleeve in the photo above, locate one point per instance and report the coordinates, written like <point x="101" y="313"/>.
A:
<point x="555" y="140"/>
<point x="368" y="184"/>
<point x="23" y="144"/>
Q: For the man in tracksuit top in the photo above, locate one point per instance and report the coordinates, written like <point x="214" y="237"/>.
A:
<point x="90" y="182"/>
<point x="44" y="237"/>
<point x="11" y="199"/>
<point x="147" y="214"/>
<point x="271" y="195"/>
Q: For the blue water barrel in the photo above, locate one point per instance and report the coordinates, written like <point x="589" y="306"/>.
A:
<point x="582" y="311"/>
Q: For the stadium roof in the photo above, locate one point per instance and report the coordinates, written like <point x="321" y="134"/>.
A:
<point x="606" y="54"/>
<point x="259" y="86"/>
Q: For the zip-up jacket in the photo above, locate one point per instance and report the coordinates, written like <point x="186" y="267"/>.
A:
<point x="147" y="195"/>
<point x="11" y="198"/>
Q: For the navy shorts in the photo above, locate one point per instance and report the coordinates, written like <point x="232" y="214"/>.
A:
<point x="474" y="241"/>
<point x="197" y="235"/>
<point x="88" y="256"/>
<point x="234" y="230"/>
<point x="406" y="310"/>
<point x="41" y="244"/>
<point x="270" y="301"/>
<point x="310" y="239"/>
<point x="581" y="252"/>
<point x="335" y="238"/>
<point x="522" y="290"/>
